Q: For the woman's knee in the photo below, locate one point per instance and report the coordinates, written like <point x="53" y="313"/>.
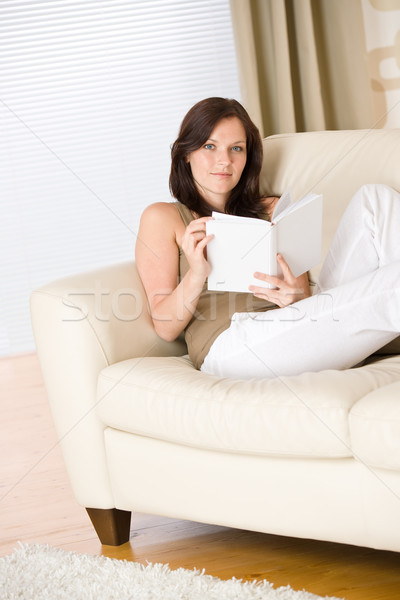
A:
<point x="376" y="190"/>
<point x="374" y="196"/>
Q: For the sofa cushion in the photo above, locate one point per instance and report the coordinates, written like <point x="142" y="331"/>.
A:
<point x="375" y="428"/>
<point x="307" y="415"/>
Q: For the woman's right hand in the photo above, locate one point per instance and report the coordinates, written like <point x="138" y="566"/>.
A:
<point x="194" y="243"/>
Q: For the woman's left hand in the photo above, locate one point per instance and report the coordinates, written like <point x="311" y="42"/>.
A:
<point x="287" y="290"/>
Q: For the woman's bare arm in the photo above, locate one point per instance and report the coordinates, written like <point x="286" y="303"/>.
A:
<point x="172" y="303"/>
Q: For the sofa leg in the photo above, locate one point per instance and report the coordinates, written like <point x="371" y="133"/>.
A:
<point x="111" y="524"/>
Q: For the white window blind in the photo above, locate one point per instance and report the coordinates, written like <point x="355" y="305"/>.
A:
<point x="91" y="98"/>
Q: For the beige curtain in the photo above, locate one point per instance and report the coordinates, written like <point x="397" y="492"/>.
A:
<point x="303" y="65"/>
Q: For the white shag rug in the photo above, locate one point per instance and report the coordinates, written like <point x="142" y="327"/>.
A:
<point x="35" y="572"/>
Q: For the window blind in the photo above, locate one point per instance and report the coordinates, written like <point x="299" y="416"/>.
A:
<point x="91" y="98"/>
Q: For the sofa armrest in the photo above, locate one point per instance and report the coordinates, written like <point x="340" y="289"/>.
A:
<point x="82" y="324"/>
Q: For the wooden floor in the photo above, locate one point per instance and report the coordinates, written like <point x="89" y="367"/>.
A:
<point x="37" y="506"/>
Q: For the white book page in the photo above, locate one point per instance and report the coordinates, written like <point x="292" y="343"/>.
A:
<point x="283" y="205"/>
<point x="289" y="206"/>
<point x="235" y="219"/>
<point x="299" y="235"/>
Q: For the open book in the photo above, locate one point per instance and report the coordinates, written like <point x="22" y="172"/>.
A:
<point x="243" y="245"/>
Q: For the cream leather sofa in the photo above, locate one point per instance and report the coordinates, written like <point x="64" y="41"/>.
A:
<point x="314" y="456"/>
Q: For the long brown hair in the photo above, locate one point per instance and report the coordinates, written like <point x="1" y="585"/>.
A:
<point x="196" y="128"/>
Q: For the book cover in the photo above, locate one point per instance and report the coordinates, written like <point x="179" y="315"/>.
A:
<point x="243" y="245"/>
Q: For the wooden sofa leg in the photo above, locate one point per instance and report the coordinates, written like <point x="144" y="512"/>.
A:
<point x="111" y="524"/>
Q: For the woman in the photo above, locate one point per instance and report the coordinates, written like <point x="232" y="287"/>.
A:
<point x="216" y="163"/>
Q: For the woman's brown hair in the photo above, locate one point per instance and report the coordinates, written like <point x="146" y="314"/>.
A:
<point x="196" y="128"/>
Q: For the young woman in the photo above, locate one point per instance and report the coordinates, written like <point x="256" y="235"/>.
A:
<point x="216" y="163"/>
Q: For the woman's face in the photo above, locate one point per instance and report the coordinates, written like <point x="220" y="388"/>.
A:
<point x="218" y="165"/>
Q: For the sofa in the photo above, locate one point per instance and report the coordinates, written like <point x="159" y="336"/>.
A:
<point x="312" y="456"/>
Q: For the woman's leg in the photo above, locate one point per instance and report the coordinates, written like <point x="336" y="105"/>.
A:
<point x="338" y="327"/>
<point x="332" y="330"/>
<point x="367" y="237"/>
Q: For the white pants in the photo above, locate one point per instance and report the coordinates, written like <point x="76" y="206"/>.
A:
<point x="354" y="311"/>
